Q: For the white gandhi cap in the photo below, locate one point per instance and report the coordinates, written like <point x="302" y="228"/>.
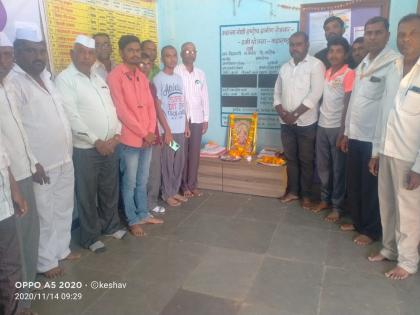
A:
<point x="30" y="33"/>
<point x="85" y="41"/>
<point x="4" y="40"/>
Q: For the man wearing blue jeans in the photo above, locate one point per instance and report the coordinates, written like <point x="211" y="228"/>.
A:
<point x="136" y="111"/>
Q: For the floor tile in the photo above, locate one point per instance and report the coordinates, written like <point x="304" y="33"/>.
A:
<point x="191" y="303"/>
<point x="140" y="297"/>
<point x="347" y="292"/>
<point x="299" y="243"/>
<point x="292" y="287"/>
<point x="224" y="273"/>
<point x="246" y="235"/>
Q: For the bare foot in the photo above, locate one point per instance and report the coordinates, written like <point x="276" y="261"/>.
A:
<point x="180" y="198"/>
<point x="362" y="240"/>
<point x="54" y="273"/>
<point x="188" y="194"/>
<point x="319" y="207"/>
<point x="288" y="198"/>
<point x="173" y="202"/>
<point x="377" y="257"/>
<point x="397" y="273"/>
<point x="306" y="203"/>
<point x="197" y="193"/>
<point x="347" y="227"/>
<point x="73" y="256"/>
<point x="151" y="220"/>
<point x="136" y="230"/>
<point x="333" y="216"/>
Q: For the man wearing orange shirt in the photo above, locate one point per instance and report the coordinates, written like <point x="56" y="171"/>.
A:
<point x="136" y="111"/>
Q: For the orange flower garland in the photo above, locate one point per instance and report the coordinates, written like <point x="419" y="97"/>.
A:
<point x="237" y="150"/>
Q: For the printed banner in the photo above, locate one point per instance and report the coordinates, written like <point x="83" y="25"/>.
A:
<point x="250" y="59"/>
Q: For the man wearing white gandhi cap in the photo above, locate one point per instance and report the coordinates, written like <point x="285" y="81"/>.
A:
<point x="23" y="165"/>
<point x="48" y="130"/>
<point x="96" y="130"/>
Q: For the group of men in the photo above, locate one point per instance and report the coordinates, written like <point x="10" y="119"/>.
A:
<point x="99" y="134"/>
<point x="356" y="116"/>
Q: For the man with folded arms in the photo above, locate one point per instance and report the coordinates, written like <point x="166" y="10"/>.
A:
<point x="96" y="131"/>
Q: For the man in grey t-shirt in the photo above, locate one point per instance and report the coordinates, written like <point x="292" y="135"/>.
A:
<point x="169" y="91"/>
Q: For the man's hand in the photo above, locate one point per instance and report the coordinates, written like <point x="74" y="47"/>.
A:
<point x="19" y="203"/>
<point x="374" y="166"/>
<point x="338" y="141"/>
<point x="150" y="138"/>
<point x="187" y="132"/>
<point x="113" y="142"/>
<point x="103" y="147"/>
<point x="168" y="137"/>
<point x="413" y="181"/>
<point x="39" y="176"/>
<point x="205" y="127"/>
<point x="344" y="144"/>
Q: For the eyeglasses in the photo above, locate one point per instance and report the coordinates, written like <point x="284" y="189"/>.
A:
<point x="191" y="52"/>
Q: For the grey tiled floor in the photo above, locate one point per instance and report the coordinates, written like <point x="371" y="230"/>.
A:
<point x="236" y="255"/>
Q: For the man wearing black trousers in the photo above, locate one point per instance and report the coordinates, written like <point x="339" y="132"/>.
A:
<point x="360" y="125"/>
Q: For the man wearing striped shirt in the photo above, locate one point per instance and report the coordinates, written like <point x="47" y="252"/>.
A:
<point x="197" y="110"/>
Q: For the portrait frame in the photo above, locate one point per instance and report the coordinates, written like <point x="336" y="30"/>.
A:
<point x="236" y="127"/>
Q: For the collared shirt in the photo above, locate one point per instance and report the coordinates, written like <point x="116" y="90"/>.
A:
<point x="100" y="69"/>
<point x="43" y="118"/>
<point x="89" y="107"/>
<point x="300" y="84"/>
<point x="134" y="103"/>
<point x="14" y="135"/>
<point x="196" y="94"/>
<point x="6" y="203"/>
<point x="336" y="85"/>
<point x="365" y="99"/>
<point x="399" y="124"/>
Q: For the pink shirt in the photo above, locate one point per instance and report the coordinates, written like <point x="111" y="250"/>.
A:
<point x="134" y="103"/>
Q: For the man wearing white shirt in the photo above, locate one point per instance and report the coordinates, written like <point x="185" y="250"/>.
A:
<point x="397" y="150"/>
<point x="49" y="134"/>
<point x="297" y="92"/>
<point x="23" y="165"/>
<point x="96" y="130"/>
<point x="360" y="124"/>
<point x="103" y="50"/>
<point x="12" y="205"/>
<point x="197" y="110"/>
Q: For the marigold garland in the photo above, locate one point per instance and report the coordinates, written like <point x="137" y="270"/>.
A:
<point x="237" y="150"/>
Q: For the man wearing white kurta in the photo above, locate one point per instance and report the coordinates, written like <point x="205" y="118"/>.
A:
<point x="96" y="131"/>
<point x="197" y="110"/>
<point x="41" y="110"/>
<point x="397" y="144"/>
<point x="23" y="165"/>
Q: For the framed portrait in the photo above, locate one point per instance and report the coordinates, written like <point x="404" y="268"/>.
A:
<point x="242" y="133"/>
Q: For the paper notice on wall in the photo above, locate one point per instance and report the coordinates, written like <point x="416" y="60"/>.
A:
<point x="316" y="31"/>
<point x="358" y="31"/>
<point x="65" y="19"/>
<point x="250" y="59"/>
